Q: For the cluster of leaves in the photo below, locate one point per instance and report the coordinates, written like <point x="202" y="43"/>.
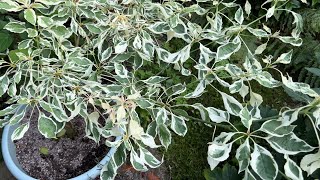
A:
<point x="81" y="57"/>
<point x="305" y="61"/>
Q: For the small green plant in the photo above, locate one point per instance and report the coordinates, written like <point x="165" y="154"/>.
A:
<point x="88" y="58"/>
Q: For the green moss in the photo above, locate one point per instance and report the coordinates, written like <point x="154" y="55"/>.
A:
<point x="186" y="156"/>
<point x="174" y="45"/>
<point x="275" y="98"/>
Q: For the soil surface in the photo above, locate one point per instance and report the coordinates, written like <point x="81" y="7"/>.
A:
<point x="67" y="157"/>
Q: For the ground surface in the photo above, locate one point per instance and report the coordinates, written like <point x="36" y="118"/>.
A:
<point x="4" y="173"/>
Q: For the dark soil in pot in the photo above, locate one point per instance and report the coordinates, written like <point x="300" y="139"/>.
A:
<point x="66" y="157"/>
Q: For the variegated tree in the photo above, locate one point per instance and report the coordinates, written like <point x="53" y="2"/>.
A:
<point x="81" y="58"/>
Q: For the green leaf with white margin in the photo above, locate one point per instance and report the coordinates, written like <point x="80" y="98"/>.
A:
<point x="218" y="153"/>
<point x="223" y="138"/>
<point x="154" y="80"/>
<point x="148" y="140"/>
<point x="143" y="103"/>
<point x="25" y="44"/>
<point x="217" y="115"/>
<point x="231" y="104"/>
<point x="291" y="40"/>
<point x="9" y="110"/>
<point x="237" y="86"/>
<point x="183" y="55"/>
<point x="198" y="91"/>
<point x="93" y="117"/>
<point x="15" y="27"/>
<point x="30" y="16"/>
<point x="121" y="114"/>
<point x="161" y="116"/>
<point x="290" y="116"/>
<point x="24" y="2"/>
<point x="12" y="91"/>
<point x="206" y="55"/>
<point x="135" y="130"/>
<point x="50" y="2"/>
<point x="292" y="170"/>
<point x="159" y="27"/>
<point x="178" y="89"/>
<point x="298" y="21"/>
<point x="147" y="48"/>
<point x="81" y="61"/>
<point x="270" y="12"/>
<point x="148" y="158"/>
<point x="246" y="117"/>
<point x="10" y="6"/>
<point x="289" y="144"/>
<point x="180" y="29"/>
<point x="109" y="170"/>
<point x="266" y="80"/>
<point x="137" y="162"/>
<point x="178" y="125"/>
<point x="255" y="99"/>
<point x="137" y="43"/>
<point x="46" y="126"/>
<point x="285" y="58"/>
<point x="239" y="15"/>
<point x="94" y="29"/>
<point x="106" y="54"/>
<point x="18" y="116"/>
<point x="121" y="71"/>
<point x="263" y="163"/>
<point x="252" y="65"/>
<point x="247" y="7"/>
<point x="261" y="48"/>
<point x="243" y="155"/>
<point x="61" y="32"/>
<point x="310" y="162"/>
<point x="44" y="21"/>
<point x="165" y="56"/>
<point x="203" y="112"/>
<point x="275" y="127"/>
<point x="226" y="50"/>
<point x="32" y="33"/>
<point x="231" y="4"/>
<point x="216" y="24"/>
<point x="59" y="114"/>
<point x="4" y="84"/>
<point x="174" y="20"/>
<point x="258" y="32"/>
<point x="240" y="87"/>
<point x="298" y="87"/>
<point x="19" y="132"/>
<point x="121" y="47"/>
<point x="164" y="135"/>
<point x="248" y="175"/>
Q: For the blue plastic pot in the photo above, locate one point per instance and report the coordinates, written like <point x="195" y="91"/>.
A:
<point x="9" y="156"/>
